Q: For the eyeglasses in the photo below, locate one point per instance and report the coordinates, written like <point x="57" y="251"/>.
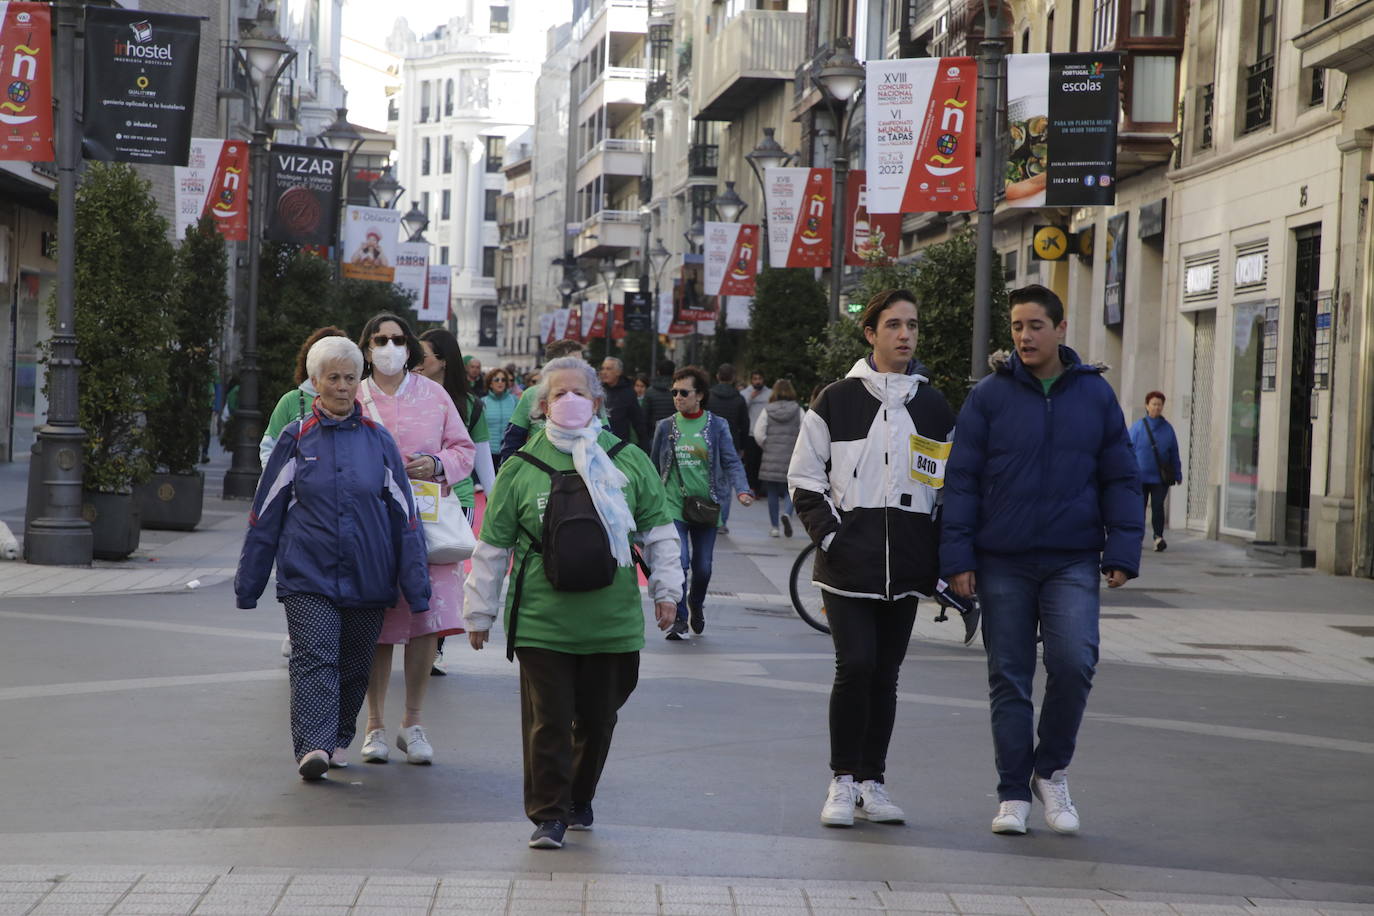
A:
<point x="499" y="378"/>
<point x="682" y="392"/>
<point x="379" y="340"/>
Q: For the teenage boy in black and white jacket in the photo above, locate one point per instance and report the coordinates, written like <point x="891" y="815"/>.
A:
<point x="865" y="476"/>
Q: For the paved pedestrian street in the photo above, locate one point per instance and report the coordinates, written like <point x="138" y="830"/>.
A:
<point x="1226" y="765"/>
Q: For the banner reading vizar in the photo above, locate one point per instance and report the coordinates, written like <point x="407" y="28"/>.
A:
<point x="732" y="259"/>
<point x="140" y="86"/>
<point x="1061" y="114"/>
<point x="369" y="243"/>
<point x="26" y="62"/>
<point x="921" y="118"/>
<point x="303" y="194"/>
<point x="799" y="216"/>
<point x="214" y="181"/>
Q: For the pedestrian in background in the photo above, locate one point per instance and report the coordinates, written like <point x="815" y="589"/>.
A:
<point x="866" y="477"/>
<point x="699" y="467"/>
<point x="1156" y="458"/>
<point x="473" y="366"/>
<point x="319" y="491"/>
<point x="500" y="400"/>
<point x="756" y="396"/>
<point x="1042" y="496"/>
<point x="578" y="650"/>
<point x="776" y="431"/>
<point x="621" y="405"/>
<point x="728" y="403"/>
<point x="421" y="417"/>
<point x="641" y="391"/>
<point x="657" y="398"/>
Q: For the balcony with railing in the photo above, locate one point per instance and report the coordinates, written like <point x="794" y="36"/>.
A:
<point x="612" y="156"/>
<point x="754" y="50"/>
<point x="614" y="86"/>
<point x="607" y="232"/>
<point x="703" y="159"/>
<point x="620" y="15"/>
<point x="1259" y="94"/>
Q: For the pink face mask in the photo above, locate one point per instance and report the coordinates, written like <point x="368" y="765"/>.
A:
<point x="571" y="411"/>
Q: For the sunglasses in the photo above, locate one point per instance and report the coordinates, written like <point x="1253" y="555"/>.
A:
<point x="682" y="392"/>
<point x="379" y="340"/>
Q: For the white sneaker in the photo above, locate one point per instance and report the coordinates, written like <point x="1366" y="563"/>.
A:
<point x="1060" y="814"/>
<point x="412" y="740"/>
<point x="375" y="749"/>
<point x="874" y="805"/>
<point x="286" y="647"/>
<point x="338" y="760"/>
<point x="774" y="533"/>
<point x="1011" y="817"/>
<point x="839" y="803"/>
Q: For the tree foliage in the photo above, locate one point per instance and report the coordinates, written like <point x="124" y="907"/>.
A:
<point x="124" y="271"/>
<point x="790" y="308"/>
<point x="195" y="316"/>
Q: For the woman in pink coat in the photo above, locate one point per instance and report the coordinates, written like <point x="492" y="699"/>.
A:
<point x="436" y="446"/>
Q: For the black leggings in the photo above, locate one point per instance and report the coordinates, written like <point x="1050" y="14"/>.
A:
<point x="1155" y="494"/>
<point x="870" y="637"/>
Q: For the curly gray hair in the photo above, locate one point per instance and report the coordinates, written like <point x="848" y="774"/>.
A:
<point x="332" y="350"/>
<point x="556" y="365"/>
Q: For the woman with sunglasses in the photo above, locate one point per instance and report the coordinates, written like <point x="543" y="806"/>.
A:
<point x="500" y="400"/>
<point x="436" y="446"/>
<point x="697" y="462"/>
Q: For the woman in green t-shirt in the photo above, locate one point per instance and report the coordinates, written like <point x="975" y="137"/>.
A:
<point x="578" y="650"/>
<point x="695" y="456"/>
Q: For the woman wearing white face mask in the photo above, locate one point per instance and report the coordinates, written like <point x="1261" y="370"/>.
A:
<point x="578" y="641"/>
<point x="436" y="446"/>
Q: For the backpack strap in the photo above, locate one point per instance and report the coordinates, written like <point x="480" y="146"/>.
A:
<point x="477" y="405"/>
<point x="515" y="606"/>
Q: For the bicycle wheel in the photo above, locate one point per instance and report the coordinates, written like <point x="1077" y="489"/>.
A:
<point x="807" y="599"/>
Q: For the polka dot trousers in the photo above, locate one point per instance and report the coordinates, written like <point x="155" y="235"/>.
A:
<point x="331" y="656"/>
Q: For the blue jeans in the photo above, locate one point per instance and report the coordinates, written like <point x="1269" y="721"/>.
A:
<point x="1056" y="592"/>
<point x="698" y="543"/>
<point x="777" y="492"/>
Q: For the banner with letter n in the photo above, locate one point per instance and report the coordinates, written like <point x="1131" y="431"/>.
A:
<point x="26" y="124"/>
<point x="1061" y="116"/>
<point x="437" y="281"/>
<point x="214" y="181"/>
<point x="370" y="242"/>
<point x="799" y="216"/>
<point x="303" y="184"/>
<point x="920" y="116"/>
<point x="140" y="87"/>
<point x="732" y="259"/>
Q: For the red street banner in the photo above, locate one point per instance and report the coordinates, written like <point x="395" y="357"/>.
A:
<point x="732" y="259"/>
<point x="26" y="62"/>
<point x="687" y="298"/>
<point x="920" y="117"/>
<point x="865" y="231"/>
<point x="214" y="181"/>
<point x="799" y="216"/>
<point x="575" y="326"/>
<point x="618" y="322"/>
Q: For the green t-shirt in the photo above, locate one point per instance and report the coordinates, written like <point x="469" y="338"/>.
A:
<point x="693" y="464"/>
<point x="610" y="619"/>
<point x="291" y="406"/>
<point x="521" y="415"/>
<point x="467" y="492"/>
<point x="1048" y="383"/>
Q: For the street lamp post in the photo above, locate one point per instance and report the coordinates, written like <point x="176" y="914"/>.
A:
<point x="342" y="137"/>
<point x="990" y="96"/>
<point x="839" y="81"/>
<point x="601" y="267"/>
<point x="58" y="535"/>
<point x="386" y="190"/>
<point x="659" y="258"/>
<point x="264" y="58"/>
<point x="696" y="237"/>
<point x="767" y="155"/>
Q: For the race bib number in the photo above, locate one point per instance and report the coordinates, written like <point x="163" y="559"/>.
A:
<point x="928" y="459"/>
<point x="426" y="494"/>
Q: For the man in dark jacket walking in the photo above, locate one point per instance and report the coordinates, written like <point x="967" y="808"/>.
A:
<point x="657" y="399"/>
<point x="1041" y="495"/>
<point x="622" y="407"/>
<point x="728" y="404"/>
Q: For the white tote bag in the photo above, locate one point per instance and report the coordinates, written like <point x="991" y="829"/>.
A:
<point x="448" y="536"/>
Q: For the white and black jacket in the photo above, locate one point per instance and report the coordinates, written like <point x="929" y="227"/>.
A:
<point x="866" y="476"/>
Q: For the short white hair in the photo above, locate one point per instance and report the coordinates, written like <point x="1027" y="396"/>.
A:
<point x="563" y="363"/>
<point x="328" y="350"/>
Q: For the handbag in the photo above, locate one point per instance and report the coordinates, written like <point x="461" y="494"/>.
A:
<point x="695" y="509"/>
<point x="448" y="536"/>
<point x="1165" y="477"/>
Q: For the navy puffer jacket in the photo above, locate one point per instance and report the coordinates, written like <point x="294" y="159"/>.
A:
<point x="1031" y="471"/>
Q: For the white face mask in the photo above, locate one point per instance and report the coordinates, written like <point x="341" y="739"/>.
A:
<point x="389" y="359"/>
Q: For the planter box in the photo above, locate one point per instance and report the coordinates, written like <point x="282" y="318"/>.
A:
<point x="114" y="520"/>
<point x="171" y="502"/>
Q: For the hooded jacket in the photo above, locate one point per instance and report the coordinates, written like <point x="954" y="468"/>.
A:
<point x="1036" y="471"/>
<point x="658" y="401"/>
<point x="726" y="402"/>
<point x="866" y="475"/>
<point x="776" y="432"/>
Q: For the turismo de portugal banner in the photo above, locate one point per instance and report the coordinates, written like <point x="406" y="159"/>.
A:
<point x="303" y="185"/>
<point x="799" y="216"/>
<point x="214" y="181"/>
<point x="26" y="62"/>
<point x="1061" y="113"/>
<point x="140" y="86"/>
<point x="921" y="115"/>
<point x="732" y="259"/>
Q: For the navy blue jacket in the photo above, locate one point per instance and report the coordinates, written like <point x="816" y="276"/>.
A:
<point x="1166" y="443"/>
<point x="334" y="510"/>
<point x="1035" y="472"/>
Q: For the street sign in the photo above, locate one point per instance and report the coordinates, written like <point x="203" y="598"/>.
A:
<point x="637" y="312"/>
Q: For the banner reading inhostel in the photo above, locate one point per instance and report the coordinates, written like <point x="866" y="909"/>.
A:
<point x="140" y="86"/>
<point x="732" y="259"/>
<point x="369" y="243"/>
<point x="798" y="202"/>
<point x="920" y="117"/>
<point x="214" y="181"/>
<point x="1061" y="114"/>
<point x="26" y="62"/>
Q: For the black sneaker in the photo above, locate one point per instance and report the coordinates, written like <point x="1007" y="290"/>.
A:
<point x="786" y="526"/>
<point x="1161" y="545"/>
<point x="698" y="620"/>
<point x="580" y="816"/>
<point x="678" y="632"/>
<point x="548" y="835"/>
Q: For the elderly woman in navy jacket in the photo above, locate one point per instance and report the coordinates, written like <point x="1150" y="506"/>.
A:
<point x="334" y="511"/>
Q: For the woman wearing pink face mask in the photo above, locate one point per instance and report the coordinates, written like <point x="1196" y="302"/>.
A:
<point x="578" y="650"/>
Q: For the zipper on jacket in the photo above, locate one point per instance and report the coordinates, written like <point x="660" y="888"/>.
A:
<point x="887" y="485"/>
